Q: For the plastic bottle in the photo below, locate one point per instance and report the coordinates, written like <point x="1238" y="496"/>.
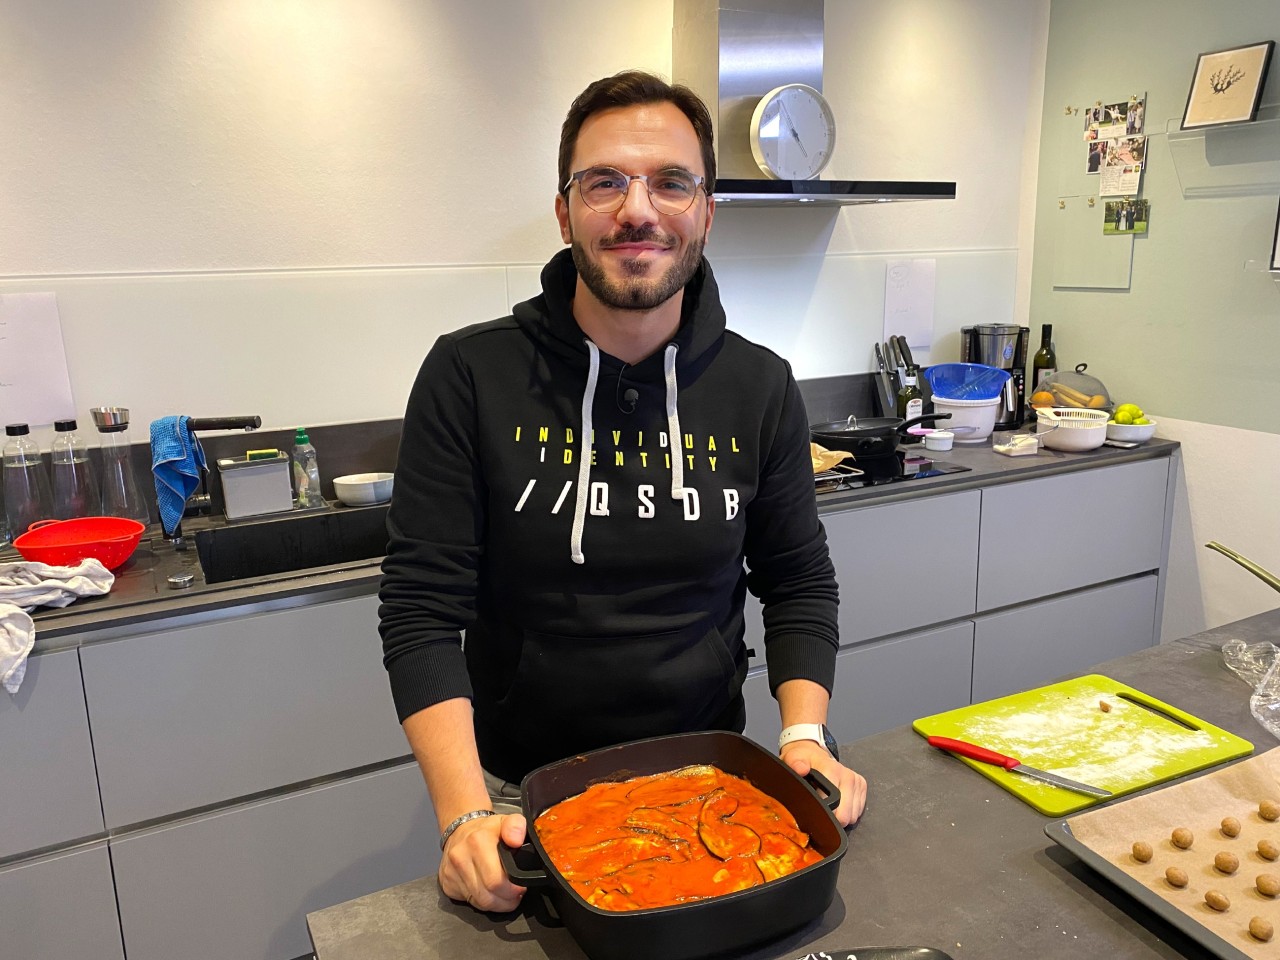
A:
<point x="75" y="487"/>
<point x="306" y="471"/>
<point x="26" y="484"/>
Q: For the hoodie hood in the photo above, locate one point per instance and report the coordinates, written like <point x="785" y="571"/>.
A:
<point x="548" y="319"/>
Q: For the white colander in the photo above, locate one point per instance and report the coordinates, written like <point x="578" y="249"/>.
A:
<point x="1073" y="429"/>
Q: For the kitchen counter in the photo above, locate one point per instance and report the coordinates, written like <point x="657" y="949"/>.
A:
<point x="141" y="592"/>
<point x="942" y="857"/>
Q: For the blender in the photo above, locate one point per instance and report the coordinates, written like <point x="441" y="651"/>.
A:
<point x="121" y="495"/>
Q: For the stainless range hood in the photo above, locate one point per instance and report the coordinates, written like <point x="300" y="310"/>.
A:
<point x="733" y="52"/>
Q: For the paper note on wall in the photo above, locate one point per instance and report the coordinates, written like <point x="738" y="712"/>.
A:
<point x="35" y="386"/>
<point x="909" y="287"/>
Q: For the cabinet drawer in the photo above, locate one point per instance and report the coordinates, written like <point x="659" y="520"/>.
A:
<point x="905" y="565"/>
<point x="1041" y="537"/>
<point x="880" y="685"/>
<point x="195" y="716"/>
<point x="1036" y="644"/>
<point x="48" y="793"/>
<point x="60" y="907"/>
<point x="239" y="883"/>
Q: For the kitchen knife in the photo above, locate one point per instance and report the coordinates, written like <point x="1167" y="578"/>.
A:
<point x="1013" y="765"/>
<point x="888" y="403"/>
<point x="895" y="379"/>
<point x="905" y="351"/>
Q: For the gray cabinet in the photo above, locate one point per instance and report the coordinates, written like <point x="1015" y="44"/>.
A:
<point x="1056" y="534"/>
<point x="902" y="566"/>
<point x="880" y="685"/>
<point x="240" y="882"/>
<point x="60" y="907"/>
<point x="1034" y="644"/>
<point x="46" y="759"/>
<point x="195" y="716"/>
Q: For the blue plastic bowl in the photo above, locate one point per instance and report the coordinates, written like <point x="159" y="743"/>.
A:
<point x="966" y="381"/>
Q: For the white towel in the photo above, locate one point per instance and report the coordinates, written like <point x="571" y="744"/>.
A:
<point x="27" y="585"/>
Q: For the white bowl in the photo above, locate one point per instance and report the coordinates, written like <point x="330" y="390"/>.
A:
<point x="363" y="489"/>
<point x="1133" y="432"/>
<point x="1071" y="429"/>
<point x="971" y="420"/>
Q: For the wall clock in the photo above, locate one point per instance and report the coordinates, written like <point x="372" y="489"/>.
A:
<point x="793" y="132"/>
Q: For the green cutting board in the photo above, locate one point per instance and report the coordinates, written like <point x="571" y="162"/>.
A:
<point x="1062" y="728"/>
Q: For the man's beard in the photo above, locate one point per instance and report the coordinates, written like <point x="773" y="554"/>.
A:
<point x="638" y="290"/>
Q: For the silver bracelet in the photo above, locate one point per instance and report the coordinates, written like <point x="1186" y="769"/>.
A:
<point x="473" y="815"/>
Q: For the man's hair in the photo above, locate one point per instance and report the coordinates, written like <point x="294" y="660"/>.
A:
<point x="629" y="89"/>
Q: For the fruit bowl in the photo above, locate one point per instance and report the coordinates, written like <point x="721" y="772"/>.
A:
<point x="1131" y="432"/>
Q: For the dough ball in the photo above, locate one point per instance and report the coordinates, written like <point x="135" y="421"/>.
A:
<point x="1176" y="876"/>
<point x="1218" y="901"/>
<point x="1269" y="810"/>
<point x="1268" y="884"/>
<point x="1182" y="838"/>
<point x="1226" y="862"/>
<point x="1260" y="929"/>
<point x="1142" y="851"/>
<point x="1268" y="850"/>
<point x="1230" y="827"/>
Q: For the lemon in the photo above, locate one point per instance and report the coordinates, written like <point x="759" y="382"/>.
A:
<point x="1132" y="409"/>
<point x="1141" y="422"/>
<point x="1124" y="416"/>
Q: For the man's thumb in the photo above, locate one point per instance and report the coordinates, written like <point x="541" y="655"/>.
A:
<point x="513" y="830"/>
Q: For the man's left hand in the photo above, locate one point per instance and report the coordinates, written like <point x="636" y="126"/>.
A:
<point x="805" y="755"/>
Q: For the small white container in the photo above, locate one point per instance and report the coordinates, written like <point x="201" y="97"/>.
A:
<point x="363" y="489"/>
<point x="251" y="488"/>
<point x="971" y="420"/>
<point x="938" y="440"/>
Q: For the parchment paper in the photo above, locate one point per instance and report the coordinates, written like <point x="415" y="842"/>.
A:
<point x="1199" y="805"/>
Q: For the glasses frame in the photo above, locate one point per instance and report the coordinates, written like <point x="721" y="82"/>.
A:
<point x="699" y="186"/>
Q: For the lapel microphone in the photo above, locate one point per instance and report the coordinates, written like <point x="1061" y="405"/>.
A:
<point x="629" y="397"/>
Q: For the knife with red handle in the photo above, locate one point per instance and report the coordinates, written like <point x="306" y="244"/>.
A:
<point x="1012" y="764"/>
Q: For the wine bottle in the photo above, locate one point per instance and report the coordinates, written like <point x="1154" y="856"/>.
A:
<point x="1045" y="363"/>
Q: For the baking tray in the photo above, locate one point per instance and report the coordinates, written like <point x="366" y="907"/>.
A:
<point x="1060" y="833"/>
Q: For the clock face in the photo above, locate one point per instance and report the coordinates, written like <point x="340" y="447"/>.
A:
<point x="793" y="132"/>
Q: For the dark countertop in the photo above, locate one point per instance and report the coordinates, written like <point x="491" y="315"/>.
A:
<point x="141" y="592"/>
<point x="942" y="857"/>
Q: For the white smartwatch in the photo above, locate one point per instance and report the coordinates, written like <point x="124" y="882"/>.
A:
<point x="817" y="732"/>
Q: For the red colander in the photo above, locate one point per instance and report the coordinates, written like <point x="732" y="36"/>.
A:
<point x="64" y="543"/>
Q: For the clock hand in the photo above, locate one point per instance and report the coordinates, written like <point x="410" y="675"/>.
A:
<point x="791" y="124"/>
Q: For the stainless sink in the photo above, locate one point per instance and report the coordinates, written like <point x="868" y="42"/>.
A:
<point x="289" y="543"/>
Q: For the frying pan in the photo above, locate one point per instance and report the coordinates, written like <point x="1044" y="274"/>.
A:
<point x="869" y="436"/>
<point x="730" y="924"/>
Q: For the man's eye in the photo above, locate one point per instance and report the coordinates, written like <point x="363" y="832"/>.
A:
<point x="603" y="181"/>
<point x="674" y="185"/>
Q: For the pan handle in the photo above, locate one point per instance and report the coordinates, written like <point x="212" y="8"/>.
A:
<point x="927" y="418"/>
<point x="518" y="875"/>
<point x="828" y="791"/>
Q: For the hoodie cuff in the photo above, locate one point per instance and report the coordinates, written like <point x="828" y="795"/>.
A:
<point x="800" y="656"/>
<point x="427" y="676"/>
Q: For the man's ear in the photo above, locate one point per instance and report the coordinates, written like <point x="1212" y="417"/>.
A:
<point x="562" y="216"/>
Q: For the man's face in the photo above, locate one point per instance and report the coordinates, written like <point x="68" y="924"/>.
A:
<point x="636" y="258"/>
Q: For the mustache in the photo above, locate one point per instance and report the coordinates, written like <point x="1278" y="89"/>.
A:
<point x="643" y="235"/>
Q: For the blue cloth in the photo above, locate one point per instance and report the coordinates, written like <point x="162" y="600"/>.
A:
<point x="177" y="460"/>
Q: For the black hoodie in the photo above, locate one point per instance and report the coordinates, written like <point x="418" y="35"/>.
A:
<point x="602" y="604"/>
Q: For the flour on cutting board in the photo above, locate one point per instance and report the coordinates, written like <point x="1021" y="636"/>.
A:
<point x="1081" y="741"/>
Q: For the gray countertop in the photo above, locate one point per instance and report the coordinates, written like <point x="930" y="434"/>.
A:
<point x="141" y="593"/>
<point x="942" y="857"/>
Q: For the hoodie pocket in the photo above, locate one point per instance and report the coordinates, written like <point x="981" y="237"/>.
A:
<point x="606" y="690"/>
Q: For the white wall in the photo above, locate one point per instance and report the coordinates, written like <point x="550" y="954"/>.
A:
<point x="274" y="208"/>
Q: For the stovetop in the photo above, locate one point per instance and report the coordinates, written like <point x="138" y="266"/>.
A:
<point x="874" y="471"/>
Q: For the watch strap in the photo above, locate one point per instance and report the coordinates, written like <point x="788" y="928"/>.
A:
<point x="803" y="731"/>
<point x="473" y="815"/>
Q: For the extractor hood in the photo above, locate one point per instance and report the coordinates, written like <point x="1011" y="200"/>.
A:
<point x="734" y="52"/>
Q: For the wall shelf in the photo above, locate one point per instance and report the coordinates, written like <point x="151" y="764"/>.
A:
<point x="1232" y="161"/>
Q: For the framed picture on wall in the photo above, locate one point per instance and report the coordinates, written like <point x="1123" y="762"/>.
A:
<point x="1227" y="85"/>
<point x="1275" y="245"/>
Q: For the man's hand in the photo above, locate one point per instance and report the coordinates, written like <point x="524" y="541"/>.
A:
<point x="805" y="755"/>
<point x="470" y="870"/>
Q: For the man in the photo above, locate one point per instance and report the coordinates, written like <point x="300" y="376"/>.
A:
<point x="577" y="489"/>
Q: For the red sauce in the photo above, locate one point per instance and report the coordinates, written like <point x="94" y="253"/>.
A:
<point x="670" y="838"/>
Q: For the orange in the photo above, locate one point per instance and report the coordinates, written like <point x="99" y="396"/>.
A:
<point x="1042" y="398"/>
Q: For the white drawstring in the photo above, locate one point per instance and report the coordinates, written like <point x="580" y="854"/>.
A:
<point x="584" y="457"/>
<point x="673" y="424"/>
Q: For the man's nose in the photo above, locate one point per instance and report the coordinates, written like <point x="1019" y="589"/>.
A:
<point x="637" y="206"/>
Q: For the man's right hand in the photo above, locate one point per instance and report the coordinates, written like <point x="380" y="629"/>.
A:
<point x="470" y="870"/>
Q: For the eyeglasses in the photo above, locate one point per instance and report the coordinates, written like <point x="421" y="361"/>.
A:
<point x="604" y="189"/>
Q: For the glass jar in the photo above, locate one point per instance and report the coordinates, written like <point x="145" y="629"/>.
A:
<point x="26" y="482"/>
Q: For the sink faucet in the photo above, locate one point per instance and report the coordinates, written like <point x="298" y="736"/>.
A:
<point x="201" y="500"/>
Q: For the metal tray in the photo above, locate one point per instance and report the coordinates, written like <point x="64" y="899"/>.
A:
<point x="1060" y="833"/>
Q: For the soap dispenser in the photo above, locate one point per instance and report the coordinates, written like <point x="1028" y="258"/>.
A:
<point x="306" y="471"/>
